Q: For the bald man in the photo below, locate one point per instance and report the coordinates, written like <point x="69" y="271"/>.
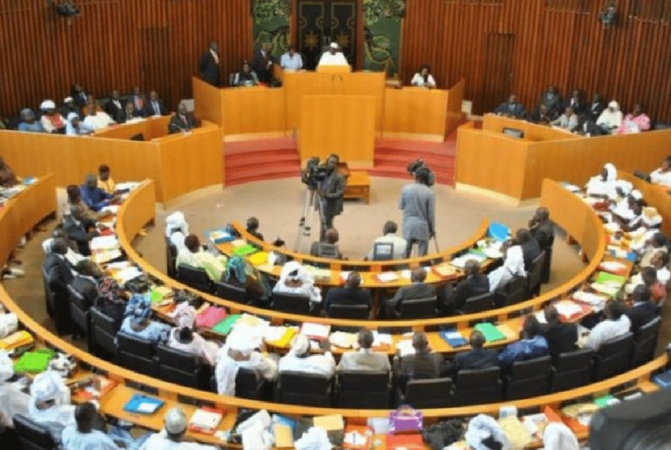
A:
<point x="417" y="290"/>
<point x="351" y="294"/>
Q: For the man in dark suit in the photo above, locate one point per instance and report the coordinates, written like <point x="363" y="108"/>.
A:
<point x="576" y="102"/>
<point x="561" y="337"/>
<point x="477" y="358"/>
<point x="474" y="283"/>
<point x="181" y="121"/>
<point x="330" y="192"/>
<point x="154" y="106"/>
<point x="596" y="107"/>
<point x="139" y="100"/>
<point x="59" y="276"/>
<point x="351" y="294"/>
<point x="542" y="228"/>
<point x="86" y="281"/>
<point x="115" y="107"/>
<point x="423" y="365"/>
<point x="643" y="309"/>
<point x="209" y="65"/>
<point x="262" y="63"/>
<point x="541" y="115"/>
<point x="417" y="290"/>
<point x="80" y="232"/>
<point x="552" y="100"/>
<point x="511" y="108"/>
<point x="530" y="247"/>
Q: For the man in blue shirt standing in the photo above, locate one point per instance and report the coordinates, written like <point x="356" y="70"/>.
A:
<point x="532" y="345"/>
<point x="94" y="197"/>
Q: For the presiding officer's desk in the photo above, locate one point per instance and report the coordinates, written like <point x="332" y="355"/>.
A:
<point x="38" y="201"/>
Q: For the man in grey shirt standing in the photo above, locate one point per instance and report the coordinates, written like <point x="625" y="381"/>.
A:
<point x="418" y="203"/>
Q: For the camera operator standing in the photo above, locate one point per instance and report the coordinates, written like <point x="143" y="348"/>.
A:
<point x="418" y="203"/>
<point x="330" y="191"/>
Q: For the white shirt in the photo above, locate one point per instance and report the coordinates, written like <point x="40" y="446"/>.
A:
<point x="317" y="364"/>
<point x="305" y="289"/>
<point x="418" y="80"/>
<point x="400" y="245"/>
<point x="198" y="346"/>
<point x="607" y="330"/>
<point x="659" y="177"/>
<point x="160" y="441"/>
<point x="99" y="121"/>
<point x="364" y="360"/>
<point x="328" y="59"/>
<point x="95" y="440"/>
<point x="291" y="63"/>
<point x="12" y="401"/>
<point x="262" y="365"/>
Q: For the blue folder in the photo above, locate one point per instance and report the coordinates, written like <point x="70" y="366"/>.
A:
<point x="454" y="341"/>
<point x="142" y="404"/>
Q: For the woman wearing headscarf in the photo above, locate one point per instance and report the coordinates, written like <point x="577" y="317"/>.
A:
<point x="513" y="266"/>
<point x="621" y="201"/>
<point x="299" y="359"/>
<point x="611" y="117"/>
<point x="29" y="123"/>
<point x="603" y="185"/>
<point x="50" y="403"/>
<point x="424" y="77"/>
<point x="51" y="120"/>
<point x="635" y="122"/>
<point x="558" y="436"/>
<point x="294" y="279"/>
<point x="75" y="127"/>
<point x="241" y="274"/>
<point x="12" y="399"/>
<point x="176" y="229"/>
<point x="484" y="433"/>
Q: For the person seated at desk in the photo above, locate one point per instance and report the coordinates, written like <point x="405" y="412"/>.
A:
<point x="351" y="294"/>
<point x="82" y="435"/>
<point x="333" y="57"/>
<point x="7" y="176"/>
<point x="144" y="328"/>
<point x="172" y="436"/>
<point x="530" y="247"/>
<point x="94" y="197"/>
<point x="596" y="107"/>
<point x="417" y="290"/>
<point x="662" y="175"/>
<point x="195" y="256"/>
<point x="80" y="210"/>
<point x="186" y="340"/>
<point x="246" y="76"/>
<point x="294" y="279"/>
<point x="473" y="284"/>
<point x="615" y="324"/>
<point x="299" y="359"/>
<point x="423" y="78"/>
<point x="567" y="121"/>
<point x="138" y="99"/>
<point x="238" y="352"/>
<point x="575" y="102"/>
<point x="114" y="107"/>
<point x="79" y="94"/>
<point x="96" y="118"/>
<point x="253" y="228"/>
<point x="389" y="237"/>
<point x="328" y="248"/>
<point x="513" y="266"/>
<point x="86" y="281"/>
<point x="72" y="255"/>
<point x="657" y="289"/>
<point x="181" y="121"/>
<point x="81" y="232"/>
<point x="365" y="359"/>
<point x="604" y="184"/>
<point x="422" y="365"/>
<point x="176" y="230"/>
<point x="154" y="106"/>
<point x="70" y="106"/>
<point x="105" y="181"/>
<point x="611" y="118"/>
<point x="130" y="114"/>
<point x="111" y="300"/>
<point x="12" y="399"/>
<point x="50" y="404"/>
<point x="541" y="115"/>
<point x="76" y="127"/>
<point x="635" y="122"/>
<point x="552" y="100"/>
<point x="561" y="337"/>
<point x="660" y="262"/>
<point x="240" y="273"/>
<point x="511" y="108"/>
<point x="532" y="345"/>
<point x="291" y="60"/>
<point x="29" y="123"/>
<point x="657" y="243"/>
<point x="643" y="310"/>
<point x="52" y="121"/>
<point x="475" y="359"/>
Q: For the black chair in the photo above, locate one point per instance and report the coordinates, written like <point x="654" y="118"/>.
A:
<point x="137" y="354"/>
<point x="535" y="275"/>
<point x="103" y="335"/>
<point x="528" y="378"/>
<point x="170" y="258"/>
<point x="511" y="293"/>
<point x="362" y="390"/>
<point x="572" y="369"/>
<point x="291" y="303"/>
<point x="474" y="387"/>
<point x="195" y="278"/>
<point x="354" y="312"/>
<point x="645" y="342"/>
<point x="383" y="251"/>
<point x="249" y="385"/>
<point x="78" y="312"/>
<point x="296" y="388"/>
<point x="230" y="292"/>
<point x="182" y="368"/>
<point x="32" y="436"/>
<point x="479" y="303"/>
<point x="547" y="261"/>
<point x="613" y="357"/>
<point x="48" y="296"/>
<point x="434" y="393"/>
<point x="420" y="308"/>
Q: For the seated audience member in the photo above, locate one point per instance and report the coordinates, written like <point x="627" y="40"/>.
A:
<point x="485" y="433"/>
<point x="253" y="228"/>
<point x="131" y="114"/>
<point x="611" y="117"/>
<point x="195" y="256"/>
<point x="114" y="107"/>
<point x="621" y="202"/>
<point x="604" y="184"/>
<point x="567" y="121"/>
<point x="75" y="127"/>
<point x="242" y="274"/>
<point x="291" y="60"/>
<point x="596" y="107"/>
<point x="389" y="237"/>
<point x="530" y="247"/>
<point x="351" y="294"/>
<point x="552" y="100"/>
<point x="82" y="435"/>
<point x="94" y="197"/>
<point x="96" y="118"/>
<point x="587" y="127"/>
<point x="558" y="436"/>
<point x="541" y="115"/>
<point x="656" y="243"/>
<point x="615" y="324"/>
<point x="7" y="176"/>
<point x="422" y="365"/>
<point x="642" y="310"/>
<point x="532" y="345"/>
<point x="575" y="102"/>
<point x="176" y="230"/>
<point x="70" y="106"/>
<point x="50" y="403"/>
<point x="657" y="289"/>
<point x="154" y="106"/>
<point x="660" y="262"/>
<point x="111" y="300"/>
<point x="56" y="266"/>
<point x="476" y="358"/>
<point x="299" y="359"/>
<point x="105" y="181"/>
<point x="52" y="121"/>
<point x="662" y="175"/>
<point x="541" y="227"/>
<point x="138" y="99"/>
<point x="473" y="284"/>
<point x="561" y="337"/>
<point x="239" y="352"/>
<point x="78" y="93"/>
<point x="511" y="108"/>
<point x="635" y="122"/>
<point x="79" y="231"/>
<point x="365" y="359"/>
<point x="29" y="123"/>
<point x="86" y="281"/>
<point x="12" y="399"/>
<point x="186" y="340"/>
<point x="333" y="56"/>
<point x="294" y="279"/>
<point x="424" y="78"/>
<point x="147" y="329"/>
<point x="328" y="248"/>
<point x="172" y="436"/>
<point x="71" y="256"/>
<point x="139" y="303"/>
<point x="181" y="121"/>
<point x="246" y="76"/>
<point x="417" y="290"/>
<point x="513" y="266"/>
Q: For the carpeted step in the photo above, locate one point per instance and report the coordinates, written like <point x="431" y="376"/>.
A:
<point x="256" y="145"/>
<point x="263" y="157"/>
<point x="256" y="177"/>
<point x="401" y="160"/>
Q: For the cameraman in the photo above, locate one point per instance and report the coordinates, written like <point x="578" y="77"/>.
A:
<point x="418" y="203"/>
<point x="330" y="191"/>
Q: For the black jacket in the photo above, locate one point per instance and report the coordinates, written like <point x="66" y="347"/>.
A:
<point x="412" y="291"/>
<point x="470" y="287"/>
<point x="87" y="288"/>
<point x="346" y="296"/>
<point x="180" y="124"/>
<point x="561" y="337"/>
<point x="530" y="250"/>
<point x="209" y="70"/>
<point x="421" y="366"/>
<point x="640" y="314"/>
<point x="475" y="359"/>
<point x="58" y="271"/>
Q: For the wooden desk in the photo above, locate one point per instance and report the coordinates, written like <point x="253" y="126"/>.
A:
<point x="416" y="113"/>
<point x="151" y="128"/>
<point x="255" y="110"/>
<point x="358" y="186"/>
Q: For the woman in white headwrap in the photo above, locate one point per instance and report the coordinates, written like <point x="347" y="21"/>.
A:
<point x="513" y="266"/>
<point x="176" y="229"/>
<point x="611" y="117"/>
<point x="558" y="436"/>
<point x="484" y="433"/>
<point x="50" y="403"/>
<point x="12" y="399"/>
<point x="603" y="185"/>
<point x="51" y="120"/>
<point x="299" y="359"/>
<point x="294" y="279"/>
<point x="621" y="206"/>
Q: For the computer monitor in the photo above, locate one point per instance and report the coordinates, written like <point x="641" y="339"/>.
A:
<point x="514" y="132"/>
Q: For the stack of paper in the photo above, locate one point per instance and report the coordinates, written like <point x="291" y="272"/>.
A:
<point x="343" y="340"/>
<point x="127" y="186"/>
<point x="592" y="299"/>
<point x="386" y="277"/>
<point x="614" y="267"/>
<point x="460" y="261"/>
<point x="127" y="274"/>
<point x="279" y="336"/>
<point x="608" y="290"/>
<point x="381" y="339"/>
<point x="568" y="309"/>
<point x="444" y="270"/>
<point x="205" y="420"/>
<point x="319" y="331"/>
<point x="405" y="347"/>
<point x="317" y="273"/>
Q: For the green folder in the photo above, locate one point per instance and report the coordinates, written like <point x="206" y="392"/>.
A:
<point x="34" y="362"/>
<point x="610" y="280"/>
<point x="604" y="400"/>
<point x="156" y="296"/>
<point x="224" y="327"/>
<point x="490" y="332"/>
<point x="245" y="250"/>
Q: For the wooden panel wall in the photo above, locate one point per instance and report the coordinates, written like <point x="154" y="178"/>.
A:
<point x="115" y="44"/>
<point x="556" y="42"/>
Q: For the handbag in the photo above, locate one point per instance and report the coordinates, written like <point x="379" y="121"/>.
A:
<point x="405" y="420"/>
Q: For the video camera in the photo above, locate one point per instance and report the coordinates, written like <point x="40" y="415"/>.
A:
<point x="314" y="173"/>
<point x="418" y="164"/>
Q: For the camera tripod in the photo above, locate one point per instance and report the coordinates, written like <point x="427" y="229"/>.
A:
<point x="312" y="202"/>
